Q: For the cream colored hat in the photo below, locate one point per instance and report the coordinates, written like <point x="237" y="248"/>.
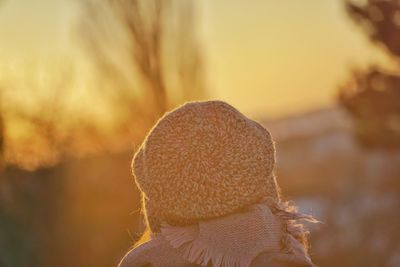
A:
<point x="204" y="160"/>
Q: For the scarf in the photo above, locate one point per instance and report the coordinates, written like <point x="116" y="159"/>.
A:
<point x="269" y="228"/>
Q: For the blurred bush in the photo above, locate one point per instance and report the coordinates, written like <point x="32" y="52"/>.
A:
<point x="373" y="100"/>
<point x="362" y="216"/>
<point x="373" y="97"/>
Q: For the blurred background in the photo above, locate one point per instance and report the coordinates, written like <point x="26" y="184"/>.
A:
<point x="81" y="82"/>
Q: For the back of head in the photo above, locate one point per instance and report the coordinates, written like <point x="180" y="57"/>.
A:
<point x="204" y="160"/>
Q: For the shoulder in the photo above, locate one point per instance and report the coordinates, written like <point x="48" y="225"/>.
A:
<point x="279" y="260"/>
<point x="138" y="255"/>
<point x="156" y="252"/>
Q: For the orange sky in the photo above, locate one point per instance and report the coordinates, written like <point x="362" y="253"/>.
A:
<point x="280" y="57"/>
<point x="266" y="57"/>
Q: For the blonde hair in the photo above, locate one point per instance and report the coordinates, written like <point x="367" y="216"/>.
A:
<point x="146" y="236"/>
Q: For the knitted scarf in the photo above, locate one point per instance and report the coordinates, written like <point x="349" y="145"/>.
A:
<point x="269" y="228"/>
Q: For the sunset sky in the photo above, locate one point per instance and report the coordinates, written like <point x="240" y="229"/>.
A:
<point x="268" y="58"/>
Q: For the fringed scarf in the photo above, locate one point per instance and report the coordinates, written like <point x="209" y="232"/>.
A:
<point x="270" y="228"/>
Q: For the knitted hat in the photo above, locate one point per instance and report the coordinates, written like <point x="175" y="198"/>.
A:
<point x="204" y="160"/>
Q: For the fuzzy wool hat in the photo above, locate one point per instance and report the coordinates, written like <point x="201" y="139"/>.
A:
<point x="203" y="160"/>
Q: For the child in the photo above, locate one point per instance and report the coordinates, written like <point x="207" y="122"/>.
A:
<point x="210" y="196"/>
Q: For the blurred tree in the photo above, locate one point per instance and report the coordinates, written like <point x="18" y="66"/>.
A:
<point x="37" y="132"/>
<point x="161" y="50"/>
<point x="31" y="138"/>
<point x="380" y="19"/>
<point x="373" y="97"/>
<point x="146" y="58"/>
<point x="76" y="208"/>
